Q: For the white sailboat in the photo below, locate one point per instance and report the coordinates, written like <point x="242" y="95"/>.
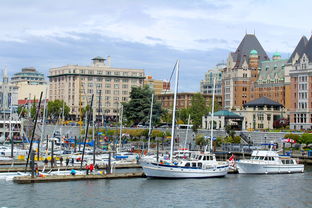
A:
<point x="199" y="165"/>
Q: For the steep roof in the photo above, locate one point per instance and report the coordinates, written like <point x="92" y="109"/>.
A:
<point x="308" y="49"/>
<point x="249" y="43"/>
<point x="299" y="48"/>
<point x="263" y="101"/>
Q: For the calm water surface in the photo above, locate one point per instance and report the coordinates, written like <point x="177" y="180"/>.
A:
<point x="289" y="190"/>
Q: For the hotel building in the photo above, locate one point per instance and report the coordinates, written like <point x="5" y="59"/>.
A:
<point x="75" y="85"/>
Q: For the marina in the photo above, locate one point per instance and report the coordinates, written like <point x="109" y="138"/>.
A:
<point x="231" y="191"/>
<point x="169" y="104"/>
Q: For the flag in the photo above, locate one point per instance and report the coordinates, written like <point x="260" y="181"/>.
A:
<point x="232" y="157"/>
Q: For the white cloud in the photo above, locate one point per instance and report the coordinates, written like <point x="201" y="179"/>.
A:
<point x="178" y="24"/>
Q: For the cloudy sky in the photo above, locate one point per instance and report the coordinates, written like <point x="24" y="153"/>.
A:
<point x="146" y="34"/>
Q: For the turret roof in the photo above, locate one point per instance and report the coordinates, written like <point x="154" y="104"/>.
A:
<point x="249" y="42"/>
<point x="299" y="48"/>
<point x="308" y="49"/>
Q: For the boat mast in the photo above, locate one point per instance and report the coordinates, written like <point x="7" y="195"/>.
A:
<point x="174" y="108"/>
<point x="33" y="132"/>
<point x="150" y="125"/>
<point x="187" y="128"/>
<point x="44" y="115"/>
<point x="212" y="112"/>
<point x="87" y="128"/>
<point x="10" y="130"/>
<point x="120" y="130"/>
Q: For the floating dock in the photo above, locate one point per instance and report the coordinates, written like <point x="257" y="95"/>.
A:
<point x="22" y="169"/>
<point x="64" y="178"/>
<point x="12" y="162"/>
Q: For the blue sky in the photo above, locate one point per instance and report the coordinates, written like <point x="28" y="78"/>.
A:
<point x="146" y="34"/>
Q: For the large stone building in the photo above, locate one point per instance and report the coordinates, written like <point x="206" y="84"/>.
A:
<point x="30" y="84"/>
<point x="250" y="74"/>
<point x="158" y="86"/>
<point x="242" y="71"/>
<point x="75" y="85"/>
<point x="206" y="85"/>
<point x="184" y="100"/>
<point x="300" y="64"/>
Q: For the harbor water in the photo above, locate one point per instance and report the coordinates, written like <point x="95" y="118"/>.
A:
<point x="235" y="190"/>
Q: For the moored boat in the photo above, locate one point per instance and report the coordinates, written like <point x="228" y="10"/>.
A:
<point x="269" y="162"/>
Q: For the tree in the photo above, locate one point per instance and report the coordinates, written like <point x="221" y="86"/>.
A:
<point x="217" y="106"/>
<point x="137" y="110"/>
<point x="55" y="109"/>
<point x="183" y="115"/>
<point x="22" y="111"/>
<point x="198" y="110"/>
<point x="201" y="141"/>
<point x="306" y="139"/>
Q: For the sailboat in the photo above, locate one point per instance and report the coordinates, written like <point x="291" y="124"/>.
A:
<point x="199" y="165"/>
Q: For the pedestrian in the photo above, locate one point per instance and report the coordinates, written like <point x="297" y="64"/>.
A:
<point x="52" y="161"/>
<point x="73" y="172"/>
<point x="61" y="160"/>
<point x="36" y="170"/>
<point x="72" y="161"/>
<point x="67" y="161"/>
<point x="46" y="162"/>
<point x="91" y="167"/>
<point x="87" y="169"/>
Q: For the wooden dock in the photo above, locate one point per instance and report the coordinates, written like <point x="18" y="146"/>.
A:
<point x="101" y="167"/>
<point x="12" y="162"/>
<point x="64" y="178"/>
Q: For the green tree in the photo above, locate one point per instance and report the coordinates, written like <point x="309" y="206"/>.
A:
<point x="200" y="140"/>
<point x="183" y="115"/>
<point x="137" y="110"/>
<point x="55" y="109"/>
<point x="33" y="109"/>
<point x="198" y="110"/>
<point x="22" y="111"/>
<point x="306" y="139"/>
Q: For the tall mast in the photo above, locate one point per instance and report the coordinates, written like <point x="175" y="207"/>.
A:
<point x="87" y="128"/>
<point x="120" y="130"/>
<point x="187" y="128"/>
<point x="212" y="112"/>
<point x="150" y="124"/>
<point x="44" y="115"/>
<point x="10" y="131"/>
<point x="174" y="108"/>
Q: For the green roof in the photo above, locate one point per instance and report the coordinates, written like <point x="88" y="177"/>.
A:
<point x="98" y="58"/>
<point x="253" y="52"/>
<point x="227" y="114"/>
<point x="276" y="54"/>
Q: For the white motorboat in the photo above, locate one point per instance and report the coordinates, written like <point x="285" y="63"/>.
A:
<point x="267" y="162"/>
<point x="200" y="165"/>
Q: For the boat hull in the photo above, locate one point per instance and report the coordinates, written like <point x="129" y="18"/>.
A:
<point x="254" y="168"/>
<point x="160" y="171"/>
